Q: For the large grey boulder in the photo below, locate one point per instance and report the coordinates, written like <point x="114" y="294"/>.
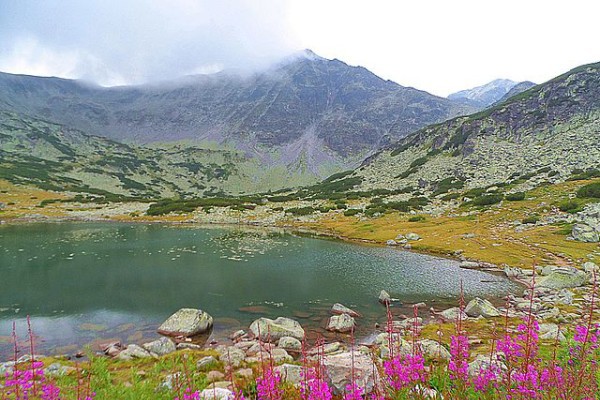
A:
<point x="585" y="233"/>
<point x="186" y="322"/>
<point x="481" y="307"/>
<point x="563" y="278"/>
<point x="268" y="330"/>
<point x="339" y="369"/>
<point x="161" y="346"/>
<point x="341" y="323"/>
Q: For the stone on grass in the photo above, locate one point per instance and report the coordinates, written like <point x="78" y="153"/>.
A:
<point x="585" y="233"/>
<point x="289" y="373"/>
<point x="217" y="394"/>
<point x="452" y="314"/>
<point x="134" y="351"/>
<point x="206" y="363"/>
<point x="231" y="356"/>
<point x="481" y="307"/>
<point x="340" y="368"/>
<point x="186" y="322"/>
<point x="563" y="278"/>
<point x="433" y="350"/>
<point x="412" y="236"/>
<point x="161" y="346"/>
<point x="268" y="330"/>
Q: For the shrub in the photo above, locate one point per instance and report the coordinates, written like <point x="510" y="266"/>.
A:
<point x="351" y="212"/>
<point x="518" y="196"/>
<point x="488" y="199"/>
<point x="298" y="211"/>
<point x="532" y="219"/>
<point x="418" y="162"/>
<point x="592" y="191"/>
<point x="570" y="206"/>
<point x="416" y="218"/>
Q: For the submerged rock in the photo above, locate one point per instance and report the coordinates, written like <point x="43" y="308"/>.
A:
<point x="342" y="309"/>
<point x="186" y="322"/>
<point x="481" y="307"/>
<point x="384" y="297"/>
<point x="268" y="330"/>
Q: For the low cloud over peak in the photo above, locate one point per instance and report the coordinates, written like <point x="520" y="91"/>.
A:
<point x="114" y="42"/>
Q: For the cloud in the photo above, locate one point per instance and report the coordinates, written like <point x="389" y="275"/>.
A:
<point x="117" y="42"/>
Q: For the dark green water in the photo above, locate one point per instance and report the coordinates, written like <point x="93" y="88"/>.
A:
<point x="82" y="282"/>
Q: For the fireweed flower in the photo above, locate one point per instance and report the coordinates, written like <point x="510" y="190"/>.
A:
<point x="405" y="370"/>
<point x="459" y="352"/>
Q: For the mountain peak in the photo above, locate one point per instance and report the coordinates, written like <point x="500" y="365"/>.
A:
<point x="484" y="95"/>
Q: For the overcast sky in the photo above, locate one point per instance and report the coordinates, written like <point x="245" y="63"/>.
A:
<point x="436" y="45"/>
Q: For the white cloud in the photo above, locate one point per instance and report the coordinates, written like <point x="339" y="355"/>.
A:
<point x="436" y="45"/>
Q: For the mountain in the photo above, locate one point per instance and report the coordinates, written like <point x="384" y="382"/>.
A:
<point x="484" y="95"/>
<point x="544" y="134"/>
<point x="515" y="90"/>
<point x="55" y="157"/>
<point x="309" y="115"/>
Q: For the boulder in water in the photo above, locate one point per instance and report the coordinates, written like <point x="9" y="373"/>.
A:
<point x="186" y="322"/>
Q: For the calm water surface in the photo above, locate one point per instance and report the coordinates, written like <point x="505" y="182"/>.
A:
<point x="88" y="282"/>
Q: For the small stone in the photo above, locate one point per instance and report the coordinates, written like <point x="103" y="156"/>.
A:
<point x="469" y="265"/>
<point x="161" y="346"/>
<point x="244" y="373"/>
<point x="217" y="393"/>
<point x="231" y="356"/>
<point x="214" y="376"/>
<point x="290" y="344"/>
<point x="452" y="314"/>
<point x="134" y="351"/>
<point x="384" y="297"/>
<point x="412" y="236"/>
<point x="206" y="363"/>
<point x="290" y="373"/>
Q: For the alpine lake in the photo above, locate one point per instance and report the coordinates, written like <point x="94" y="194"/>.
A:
<point x="87" y="283"/>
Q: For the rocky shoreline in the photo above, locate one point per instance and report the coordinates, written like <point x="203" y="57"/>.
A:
<point x="556" y="296"/>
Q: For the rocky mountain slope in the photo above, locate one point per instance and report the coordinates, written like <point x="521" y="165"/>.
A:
<point x="56" y="157"/>
<point x="308" y="114"/>
<point x="490" y="93"/>
<point x="544" y="134"/>
<point x="515" y="90"/>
